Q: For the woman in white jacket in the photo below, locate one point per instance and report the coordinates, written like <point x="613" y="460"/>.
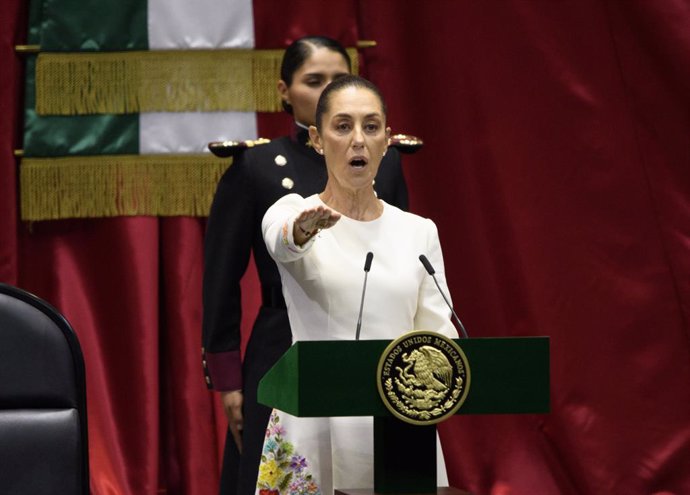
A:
<point x="320" y="243"/>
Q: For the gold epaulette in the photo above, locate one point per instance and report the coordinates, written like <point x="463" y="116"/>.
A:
<point x="405" y="143"/>
<point x="226" y="149"/>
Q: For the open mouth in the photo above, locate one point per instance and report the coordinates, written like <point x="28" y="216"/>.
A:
<point x="358" y="162"/>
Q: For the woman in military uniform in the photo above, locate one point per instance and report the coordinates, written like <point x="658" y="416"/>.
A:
<point x="258" y="177"/>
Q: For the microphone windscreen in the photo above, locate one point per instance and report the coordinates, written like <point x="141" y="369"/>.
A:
<point x="367" y="262"/>
<point x="427" y="265"/>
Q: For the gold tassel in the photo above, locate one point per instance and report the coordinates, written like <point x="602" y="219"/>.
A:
<point x="159" y="81"/>
<point x="118" y="185"/>
<point x="354" y="57"/>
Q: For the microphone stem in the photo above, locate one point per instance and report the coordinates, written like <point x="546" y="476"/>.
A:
<point x="361" y="306"/>
<point x="462" y="327"/>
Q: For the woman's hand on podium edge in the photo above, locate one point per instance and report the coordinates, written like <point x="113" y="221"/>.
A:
<point x="232" y="405"/>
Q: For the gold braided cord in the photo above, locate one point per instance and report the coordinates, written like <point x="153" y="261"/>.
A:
<point x="159" y="81"/>
<point x="118" y="185"/>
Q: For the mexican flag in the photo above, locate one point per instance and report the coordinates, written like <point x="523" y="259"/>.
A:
<point x="123" y="96"/>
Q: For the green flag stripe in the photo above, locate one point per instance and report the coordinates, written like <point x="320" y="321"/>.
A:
<point x="35" y="15"/>
<point x="94" y="25"/>
<point x="75" y="135"/>
<point x="73" y="25"/>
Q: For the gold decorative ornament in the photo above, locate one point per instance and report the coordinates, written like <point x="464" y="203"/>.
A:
<point x="423" y="377"/>
<point x="27" y="48"/>
<point x="256" y="142"/>
<point x="405" y="143"/>
<point x="366" y="43"/>
<point x="209" y="80"/>
<point x="118" y="185"/>
<point x="225" y="149"/>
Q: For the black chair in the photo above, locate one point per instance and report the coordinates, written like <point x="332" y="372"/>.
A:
<point x="43" y="429"/>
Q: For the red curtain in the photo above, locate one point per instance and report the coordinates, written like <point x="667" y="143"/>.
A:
<point x="12" y="19"/>
<point x="557" y="167"/>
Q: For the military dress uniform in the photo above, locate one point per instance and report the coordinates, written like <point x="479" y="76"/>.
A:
<point x="259" y="176"/>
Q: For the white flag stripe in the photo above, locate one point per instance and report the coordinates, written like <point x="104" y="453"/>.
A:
<point x="191" y="132"/>
<point x="200" y="24"/>
<point x="190" y="24"/>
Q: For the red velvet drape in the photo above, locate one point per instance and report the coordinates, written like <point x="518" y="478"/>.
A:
<point x="557" y="167"/>
<point x="11" y="33"/>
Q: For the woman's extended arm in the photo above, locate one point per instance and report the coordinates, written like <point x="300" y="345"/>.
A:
<point x="290" y="226"/>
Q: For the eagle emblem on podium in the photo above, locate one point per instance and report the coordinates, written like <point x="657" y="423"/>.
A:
<point x="423" y="377"/>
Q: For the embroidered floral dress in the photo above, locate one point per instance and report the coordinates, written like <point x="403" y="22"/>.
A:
<point x="322" y="283"/>
<point x="282" y="470"/>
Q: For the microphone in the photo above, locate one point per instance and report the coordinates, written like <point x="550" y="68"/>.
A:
<point x="430" y="270"/>
<point x="367" y="267"/>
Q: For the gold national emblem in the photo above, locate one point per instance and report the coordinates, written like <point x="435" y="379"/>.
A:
<point x="423" y="377"/>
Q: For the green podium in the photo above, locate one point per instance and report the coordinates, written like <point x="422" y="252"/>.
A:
<point x="338" y="378"/>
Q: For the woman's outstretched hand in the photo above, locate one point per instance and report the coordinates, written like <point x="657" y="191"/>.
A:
<point x="310" y="222"/>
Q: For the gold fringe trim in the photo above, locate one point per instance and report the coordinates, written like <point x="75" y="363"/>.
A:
<point x="118" y="185"/>
<point x="160" y="81"/>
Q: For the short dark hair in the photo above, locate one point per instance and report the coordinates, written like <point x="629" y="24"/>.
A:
<point x="300" y="50"/>
<point x="345" y="82"/>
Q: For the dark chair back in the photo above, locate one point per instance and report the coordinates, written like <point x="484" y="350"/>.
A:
<point x="43" y="428"/>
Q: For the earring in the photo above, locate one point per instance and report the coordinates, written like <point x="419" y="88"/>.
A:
<point x="319" y="151"/>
